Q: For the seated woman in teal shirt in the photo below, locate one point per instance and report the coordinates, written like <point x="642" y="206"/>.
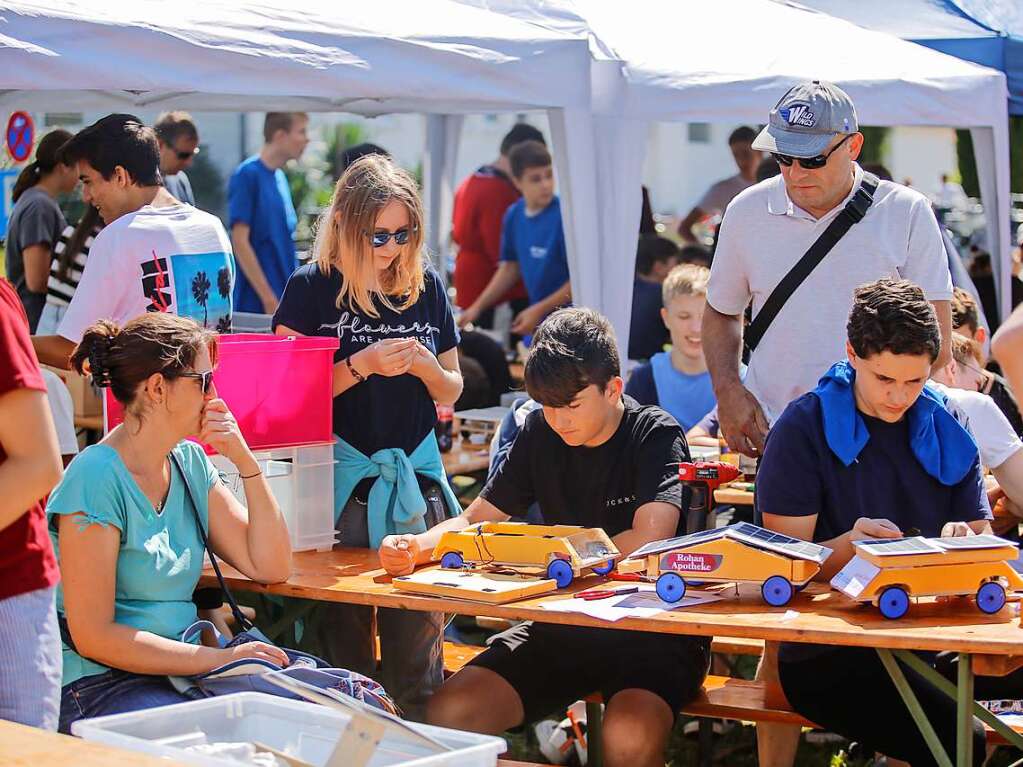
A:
<point x="124" y="529"/>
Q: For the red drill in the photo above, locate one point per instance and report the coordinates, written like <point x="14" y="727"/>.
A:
<point x="704" y="477"/>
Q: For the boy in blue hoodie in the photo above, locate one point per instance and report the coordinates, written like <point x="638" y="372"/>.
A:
<point x="532" y="244"/>
<point x="872" y="452"/>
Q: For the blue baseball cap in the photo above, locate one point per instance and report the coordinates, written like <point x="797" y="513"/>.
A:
<point x="806" y="119"/>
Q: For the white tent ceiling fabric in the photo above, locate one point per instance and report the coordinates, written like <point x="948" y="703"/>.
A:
<point x="604" y="70"/>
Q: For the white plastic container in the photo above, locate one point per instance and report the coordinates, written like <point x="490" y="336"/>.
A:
<point x="302" y="481"/>
<point x="303" y="730"/>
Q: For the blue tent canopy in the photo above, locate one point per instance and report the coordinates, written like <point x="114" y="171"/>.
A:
<point x="986" y="32"/>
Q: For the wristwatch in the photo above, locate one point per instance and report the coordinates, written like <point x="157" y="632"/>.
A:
<point x="355" y="373"/>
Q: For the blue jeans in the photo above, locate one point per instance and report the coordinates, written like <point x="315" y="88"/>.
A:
<point x="115" y="692"/>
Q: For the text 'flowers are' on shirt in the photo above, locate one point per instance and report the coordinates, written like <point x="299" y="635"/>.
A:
<point x="175" y="259"/>
<point x="381" y="412"/>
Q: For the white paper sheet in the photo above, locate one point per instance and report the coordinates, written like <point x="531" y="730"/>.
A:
<point x="643" y="604"/>
<point x="854" y="577"/>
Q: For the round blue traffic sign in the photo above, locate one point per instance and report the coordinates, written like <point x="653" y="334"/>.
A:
<point x="21" y="133"/>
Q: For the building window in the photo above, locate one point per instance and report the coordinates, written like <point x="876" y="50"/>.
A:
<point x="699" y="133"/>
<point x="63" y="118"/>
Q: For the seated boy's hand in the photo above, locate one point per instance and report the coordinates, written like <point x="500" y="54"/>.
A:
<point x="956" y="530"/>
<point x="875" y="528"/>
<point x="398" y="554"/>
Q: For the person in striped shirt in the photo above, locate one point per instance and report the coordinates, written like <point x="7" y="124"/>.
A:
<point x="69" y="255"/>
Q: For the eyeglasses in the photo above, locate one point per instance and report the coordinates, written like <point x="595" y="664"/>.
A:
<point x="206" y="379"/>
<point x="809" y="163"/>
<point x="185" y="155"/>
<point x="381" y="237"/>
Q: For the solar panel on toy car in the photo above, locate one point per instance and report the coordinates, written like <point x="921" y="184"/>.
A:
<point x="897" y="547"/>
<point x="966" y="542"/>
<point x="751" y="535"/>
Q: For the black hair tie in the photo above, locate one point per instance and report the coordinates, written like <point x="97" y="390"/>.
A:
<point x="98" y="361"/>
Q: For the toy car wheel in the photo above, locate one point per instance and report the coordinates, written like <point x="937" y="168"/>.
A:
<point x="560" y="572"/>
<point x="670" y="587"/>
<point x="605" y="568"/>
<point x="991" y="597"/>
<point x="452" y="561"/>
<point x="893" y="602"/>
<point x="777" y="591"/>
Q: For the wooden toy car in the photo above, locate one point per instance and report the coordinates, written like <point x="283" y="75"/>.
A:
<point x="888" y="572"/>
<point x="740" y="553"/>
<point x="563" y="552"/>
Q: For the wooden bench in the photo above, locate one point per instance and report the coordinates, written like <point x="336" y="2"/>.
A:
<point x="722" y="697"/>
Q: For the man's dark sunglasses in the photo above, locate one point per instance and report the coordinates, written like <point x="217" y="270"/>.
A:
<point x="380" y="238"/>
<point x="185" y="155"/>
<point x="206" y="379"/>
<point x="809" y="163"/>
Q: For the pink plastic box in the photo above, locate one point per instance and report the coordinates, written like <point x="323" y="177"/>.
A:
<point x="279" y="388"/>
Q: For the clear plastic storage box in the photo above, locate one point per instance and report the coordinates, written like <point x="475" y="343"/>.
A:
<point x="299" y="729"/>
<point x="302" y="481"/>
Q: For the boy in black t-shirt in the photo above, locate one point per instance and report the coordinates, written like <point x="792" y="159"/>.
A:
<point x="590" y="457"/>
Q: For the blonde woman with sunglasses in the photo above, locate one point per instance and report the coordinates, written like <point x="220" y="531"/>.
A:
<point x="372" y="288"/>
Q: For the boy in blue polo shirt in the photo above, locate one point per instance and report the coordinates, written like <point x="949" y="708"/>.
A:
<point x="871" y="453"/>
<point x="532" y="244"/>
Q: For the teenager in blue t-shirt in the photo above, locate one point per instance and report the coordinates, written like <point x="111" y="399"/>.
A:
<point x="262" y="215"/>
<point x="371" y="288"/>
<point x="872" y="453"/>
<point x="532" y="244"/>
<point x="678" y="380"/>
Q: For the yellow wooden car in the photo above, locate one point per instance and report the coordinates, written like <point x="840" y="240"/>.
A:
<point x="563" y="552"/>
<point x="740" y="553"/>
<point x="889" y="572"/>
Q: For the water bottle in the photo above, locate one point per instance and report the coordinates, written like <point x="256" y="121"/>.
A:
<point x="444" y="427"/>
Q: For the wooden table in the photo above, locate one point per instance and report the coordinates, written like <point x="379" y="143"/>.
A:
<point x="22" y="746"/>
<point x="465" y="458"/>
<point x="731" y="495"/>
<point x="987" y="644"/>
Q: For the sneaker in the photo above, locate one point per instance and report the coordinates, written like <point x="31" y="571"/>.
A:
<point x="555" y="744"/>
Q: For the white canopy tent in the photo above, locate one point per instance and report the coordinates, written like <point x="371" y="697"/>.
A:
<point x="694" y="61"/>
<point x="437" y="57"/>
<point x="730" y="61"/>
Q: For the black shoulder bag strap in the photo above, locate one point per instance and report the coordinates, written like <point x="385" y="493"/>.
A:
<point x="239" y="616"/>
<point x="852" y="213"/>
<point x="62" y="624"/>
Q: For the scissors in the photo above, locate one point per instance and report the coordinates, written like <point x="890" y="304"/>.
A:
<point x="591" y="596"/>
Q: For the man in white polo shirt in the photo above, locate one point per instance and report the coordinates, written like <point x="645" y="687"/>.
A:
<point x="767" y="228"/>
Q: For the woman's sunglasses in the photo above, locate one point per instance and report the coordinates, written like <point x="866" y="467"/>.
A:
<point x="381" y="237"/>
<point x="809" y="163"/>
<point x="206" y="379"/>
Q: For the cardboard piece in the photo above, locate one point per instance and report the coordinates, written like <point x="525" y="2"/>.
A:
<point x="479" y="586"/>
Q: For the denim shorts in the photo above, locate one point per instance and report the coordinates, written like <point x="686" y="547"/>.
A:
<point x="116" y="692"/>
